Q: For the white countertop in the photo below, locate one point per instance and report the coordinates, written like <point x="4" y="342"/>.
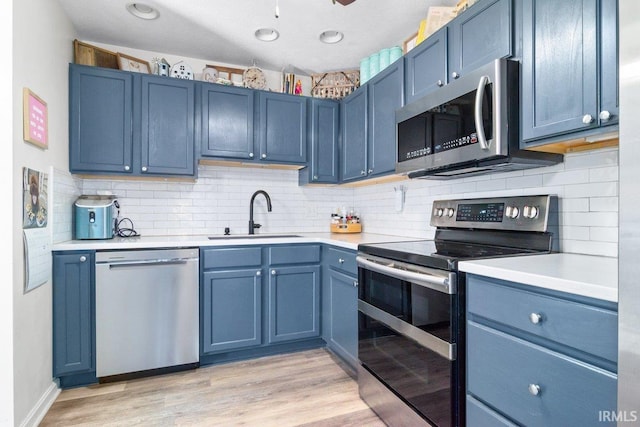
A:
<point x="585" y="275"/>
<point x="349" y="241"/>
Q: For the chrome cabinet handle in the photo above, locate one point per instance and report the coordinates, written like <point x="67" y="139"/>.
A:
<point x="363" y="172"/>
<point x="587" y="119"/>
<point x="264" y="156"/>
<point x="127" y="167"/>
<point x="604" y="115"/>
<point x="315" y="177"/>
<point x="455" y="75"/>
<point x="477" y="113"/>
<point x="355" y="283"/>
<point x="144" y="169"/>
<point x="251" y="155"/>
<point x="258" y="273"/>
<point x="83" y="258"/>
<point x="370" y="171"/>
<point x="534" y="389"/>
<point x="535" y="318"/>
<point x="440" y="83"/>
<point x="273" y="272"/>
<point x="341" y="261"/>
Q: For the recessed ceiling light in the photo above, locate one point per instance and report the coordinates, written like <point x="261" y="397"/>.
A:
<point x="331" y="36"/>
<point x="142" y="10"/>
<point x="267" y="34"/>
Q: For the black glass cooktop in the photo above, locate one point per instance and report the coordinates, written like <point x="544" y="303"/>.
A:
<point x="439" y="254"/>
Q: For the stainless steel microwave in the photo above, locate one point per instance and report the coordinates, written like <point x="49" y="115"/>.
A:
<point x="470" y="126"/>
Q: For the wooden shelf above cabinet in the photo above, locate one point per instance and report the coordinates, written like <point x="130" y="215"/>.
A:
<point x="580" y="144"/>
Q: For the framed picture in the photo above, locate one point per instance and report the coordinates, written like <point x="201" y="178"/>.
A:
<point x="410" y="43"/>
<point x="129" y="63"/>
<point x="34" y="119"/>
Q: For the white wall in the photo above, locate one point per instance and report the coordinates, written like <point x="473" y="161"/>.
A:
<point x="43" y="47"/>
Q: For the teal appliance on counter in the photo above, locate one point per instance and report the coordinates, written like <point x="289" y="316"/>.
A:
<point x="94" y="217"/>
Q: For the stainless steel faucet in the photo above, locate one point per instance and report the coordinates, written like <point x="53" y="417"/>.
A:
<point x="252" y="225"/>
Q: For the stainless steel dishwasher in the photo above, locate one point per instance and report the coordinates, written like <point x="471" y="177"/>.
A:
<point x="146" y="310"/>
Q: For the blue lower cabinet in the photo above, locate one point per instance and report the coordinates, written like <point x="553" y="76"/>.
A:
<point x="294" y="303"/>
<point x="480" y="415"/>
<point x="343" y="333"/>
<point x="73" y="296"/>
<point x="232" y="310"/>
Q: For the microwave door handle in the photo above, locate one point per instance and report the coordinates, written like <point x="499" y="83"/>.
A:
<point x="477" y="113"/>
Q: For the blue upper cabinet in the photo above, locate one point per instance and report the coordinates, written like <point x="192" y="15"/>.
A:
<point x="569" y="68"/>
<point x="426" y="66"/>
<point x="323" y="127"/>
<point x="282" y="128"/>
<point x="101" y="114"/>
<point x="353" y="125"/>
<point x="131" y="124"/>
<point x="167" y="126"/>
<point x="227" y="121"/>
<point x="479" y="35"/>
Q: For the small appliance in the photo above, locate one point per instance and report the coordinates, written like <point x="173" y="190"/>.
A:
<point x="94" y="217"/>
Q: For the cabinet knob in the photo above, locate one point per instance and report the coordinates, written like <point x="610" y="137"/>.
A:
<point x="127" y="167"/>
<point x="587" y="119"/>
<point x="355" y="283"/>
<point x="264" y="156"/>
<point x="363" y="172"/>
<point x="83" y="258"/>
<point x="455" y="75"/>
<point x="604" y="115"/>
<point x="144" y="169"/>
<point x="251" y="155"/>
<point x="315" y="177"/>
<point x="440" y="83"/>
<point x="258" y="273"/>
<point x="273" y="272"/>
<point x="535" y="318"/>
<point x="534" y="389"/>
<point x="341" y="261"/>
<point x="370" y="171"/>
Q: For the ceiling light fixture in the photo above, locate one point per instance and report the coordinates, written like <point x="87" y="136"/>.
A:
<point x="331" y="36"/>
<point x="142" y="11"/>
<point x="267" y="34"/>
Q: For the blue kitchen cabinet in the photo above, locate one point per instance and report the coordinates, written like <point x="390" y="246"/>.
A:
<point x="354" y="129"/>
<point x="124" y="123"/>
<point x="232" y="318"/>
<point x="100" y="122"/>
<point x="323" y="142"/>
<point x="227" y="114"/>
<point x="477" y="36"/>
<point x="340" y="303"/>
<point x="282" y="128"/>
<point x="73" y="296"/>
<point x="569" y="69"/>
<point x="538" y="357"/>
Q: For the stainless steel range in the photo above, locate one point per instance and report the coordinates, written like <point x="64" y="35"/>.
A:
<point x="411" y="304"/>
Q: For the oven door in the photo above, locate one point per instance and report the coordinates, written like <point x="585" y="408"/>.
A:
<point x="407" y="338"/>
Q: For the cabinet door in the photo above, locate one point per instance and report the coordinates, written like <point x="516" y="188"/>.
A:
<point x="426" y="66"/>
<point x="294" y="303"/>
<point x="343" y="299"/>
<point x="231" y="310"/>
<point x="167" y="126"/>
<point x="609" y="100"/>
<point x="386" y="95"/>
<point x="227" y="121"/>
<point x="73" y="313"/>
<point x="559" y="67"/>
<point x="324" y="130"/>
<point x="353" y="123"/>
<point x="283" y="128"/>
<point x="100" y="129"/>
<point x="480" y="35"/>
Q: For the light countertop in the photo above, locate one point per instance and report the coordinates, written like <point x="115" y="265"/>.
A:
<point x="348" y="241"/>
<point x="585" y="275"/>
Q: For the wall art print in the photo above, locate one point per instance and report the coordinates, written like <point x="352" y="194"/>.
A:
<point x="35" y="191"/>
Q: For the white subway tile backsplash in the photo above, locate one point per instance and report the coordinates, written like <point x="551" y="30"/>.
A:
<point x="586" y="185"/>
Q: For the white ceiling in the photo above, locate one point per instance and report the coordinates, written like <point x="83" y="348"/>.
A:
<point x="224" y="30"/>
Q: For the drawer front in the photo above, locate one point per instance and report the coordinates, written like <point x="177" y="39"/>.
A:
<point x="584" y="327"/>
<point x="480" y="415"/>
<point x="504" y="371"/>
<point x="292" y="254"/>
<point x="342" y="260"/>
<point x="232" y="257"/>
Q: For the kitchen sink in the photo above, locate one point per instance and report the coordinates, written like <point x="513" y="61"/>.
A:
<point x="253" y="236"/>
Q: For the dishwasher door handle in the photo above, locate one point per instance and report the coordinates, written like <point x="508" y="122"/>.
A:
<point x="147" y="263"/>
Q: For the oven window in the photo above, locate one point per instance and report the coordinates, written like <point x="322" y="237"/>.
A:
<point x="421" y="377"/>
<point x="421" y="307"/>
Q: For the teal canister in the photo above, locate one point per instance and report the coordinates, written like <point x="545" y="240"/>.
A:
<point x="374" y="64"/>
<point x="364" y="70"/>
<point x="395" y="53"/>
<point x="383" y="58"/>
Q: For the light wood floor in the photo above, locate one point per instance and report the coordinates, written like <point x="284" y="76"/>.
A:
<point x="300" y="389"/>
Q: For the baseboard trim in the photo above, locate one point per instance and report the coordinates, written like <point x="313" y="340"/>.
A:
<point x="37" y="413"/>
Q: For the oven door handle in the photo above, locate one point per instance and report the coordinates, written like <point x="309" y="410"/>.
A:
<point x="425" y="339"/>
<point x="444" y="284"/>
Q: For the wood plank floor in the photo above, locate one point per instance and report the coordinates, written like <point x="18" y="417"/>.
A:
<point x="308" y="389"/>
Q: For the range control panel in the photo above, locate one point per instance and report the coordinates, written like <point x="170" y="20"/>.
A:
<point x="521" y="213"/>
